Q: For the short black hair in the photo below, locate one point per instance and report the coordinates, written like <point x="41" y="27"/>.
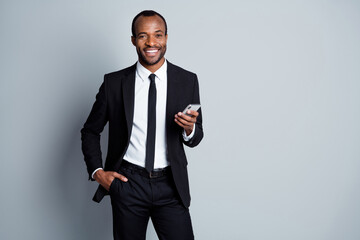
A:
<point x="146" y="13"/>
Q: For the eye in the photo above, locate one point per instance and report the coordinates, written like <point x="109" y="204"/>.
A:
<point x="158" y="35"/>
<point x="141" y="36"/>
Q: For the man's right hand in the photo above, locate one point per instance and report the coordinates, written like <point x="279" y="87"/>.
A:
<point x="105" y="178"/>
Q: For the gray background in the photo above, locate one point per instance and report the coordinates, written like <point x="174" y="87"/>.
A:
<point x="280" y="93"/>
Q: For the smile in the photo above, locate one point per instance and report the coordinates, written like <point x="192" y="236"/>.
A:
<point x="152" y="51"/>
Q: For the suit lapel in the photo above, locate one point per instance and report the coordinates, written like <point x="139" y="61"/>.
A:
<point x="173" y="85"/>
<point x="128" y="88"/>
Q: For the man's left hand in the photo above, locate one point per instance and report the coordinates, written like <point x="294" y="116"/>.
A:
<point x="185" y="121"/>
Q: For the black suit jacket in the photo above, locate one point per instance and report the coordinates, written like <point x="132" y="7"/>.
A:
<point x="115" y="104"/>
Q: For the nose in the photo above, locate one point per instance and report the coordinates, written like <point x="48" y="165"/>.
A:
<point x="150" y="41"/>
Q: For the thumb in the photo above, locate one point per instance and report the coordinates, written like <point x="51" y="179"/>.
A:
<point x="121" y="177"/>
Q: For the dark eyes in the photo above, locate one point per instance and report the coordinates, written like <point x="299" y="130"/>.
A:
<point x="156" y="35"/>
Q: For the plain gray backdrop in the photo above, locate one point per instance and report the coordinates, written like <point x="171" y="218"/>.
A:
<point x="279" y="85"/>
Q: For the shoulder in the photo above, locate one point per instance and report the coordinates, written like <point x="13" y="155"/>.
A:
<point x="120" y="74"/>
<point x="115" y="79"/>
<point x="172" y="68"/>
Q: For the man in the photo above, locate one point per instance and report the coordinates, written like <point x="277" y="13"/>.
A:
<point x="145" y="170"/>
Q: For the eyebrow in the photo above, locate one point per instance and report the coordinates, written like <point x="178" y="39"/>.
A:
<point x="146" y="33"/>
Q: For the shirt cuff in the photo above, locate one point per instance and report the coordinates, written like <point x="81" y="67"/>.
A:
<point x="187" y="138"/>
<point x="92" y="175"/>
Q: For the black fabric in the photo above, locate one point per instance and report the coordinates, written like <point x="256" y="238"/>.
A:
<point x="151" y="127"/>
<point x="115" y="105"/>
<point x="155" y="173"/>
<point x="140" y="198"/>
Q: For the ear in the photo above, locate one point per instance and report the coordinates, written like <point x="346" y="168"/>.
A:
<point x="166" y="36"/>
<point x="133" y="40"/>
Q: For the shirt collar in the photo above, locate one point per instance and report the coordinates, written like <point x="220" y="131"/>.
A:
<point x="145" y="73"/>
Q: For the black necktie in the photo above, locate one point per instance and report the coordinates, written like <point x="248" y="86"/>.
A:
<point x="151" y="127"/>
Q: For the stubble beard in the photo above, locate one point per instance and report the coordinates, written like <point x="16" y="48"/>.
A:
<point x="145" y="61"/>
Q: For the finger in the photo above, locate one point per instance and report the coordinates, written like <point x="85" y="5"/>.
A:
<point x="184" y="116"/>
<point x="193" y="113"/>
<point x="180" y="124"/>
<point x="190" y="119"/>
<point x="185" y="122"/>
<point x="121" y="177"/>
<point x="107" y="184"/>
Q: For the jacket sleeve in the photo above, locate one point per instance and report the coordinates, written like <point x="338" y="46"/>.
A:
<point x="196" y="139"/>
<point x="90" y="133"/>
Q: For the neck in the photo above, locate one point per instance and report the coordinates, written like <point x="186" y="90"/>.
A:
<point x="155" y="67"/>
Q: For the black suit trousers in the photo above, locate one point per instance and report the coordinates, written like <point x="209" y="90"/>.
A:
<point x="140" y="198"/>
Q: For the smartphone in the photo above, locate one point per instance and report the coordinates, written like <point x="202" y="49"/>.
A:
<point x="194" y="107"/>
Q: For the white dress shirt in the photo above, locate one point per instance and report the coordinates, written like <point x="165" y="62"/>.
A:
<point x="137" y="146"/>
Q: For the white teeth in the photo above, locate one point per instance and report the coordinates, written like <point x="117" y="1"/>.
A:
<point x="151" y="51"/>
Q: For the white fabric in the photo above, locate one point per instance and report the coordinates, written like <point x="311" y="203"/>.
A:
<point x="137" y="146"/>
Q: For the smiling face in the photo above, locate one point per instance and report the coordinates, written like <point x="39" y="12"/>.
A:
<point x="150" y="41"/>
